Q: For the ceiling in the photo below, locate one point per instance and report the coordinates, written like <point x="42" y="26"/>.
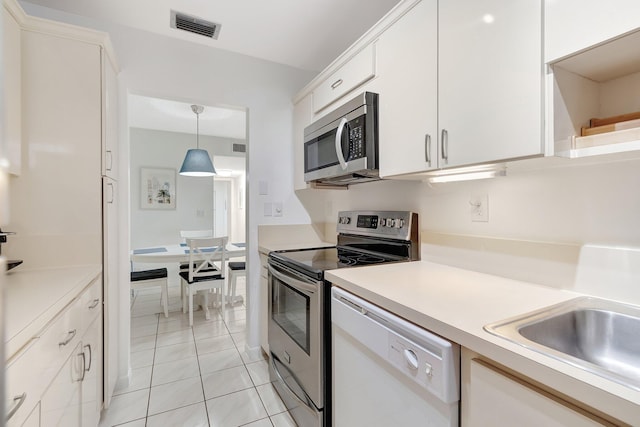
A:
<point x="173" y="116"/>
<point x="305" y="34"/>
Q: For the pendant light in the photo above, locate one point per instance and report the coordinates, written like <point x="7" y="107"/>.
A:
<point x="197" y="161"/>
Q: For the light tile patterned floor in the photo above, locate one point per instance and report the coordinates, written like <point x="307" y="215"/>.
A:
<point x="193" y="376"/>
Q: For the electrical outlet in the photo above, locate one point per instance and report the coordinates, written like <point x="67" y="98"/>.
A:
<point x="479" y="205"/>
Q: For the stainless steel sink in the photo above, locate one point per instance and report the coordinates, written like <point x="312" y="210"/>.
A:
<point x="600" y="336"/>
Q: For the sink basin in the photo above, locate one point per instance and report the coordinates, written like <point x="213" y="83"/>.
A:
<point x="597" y="335"/>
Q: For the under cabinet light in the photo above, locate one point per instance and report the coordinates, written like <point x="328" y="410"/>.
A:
<point x="469" y="174"/>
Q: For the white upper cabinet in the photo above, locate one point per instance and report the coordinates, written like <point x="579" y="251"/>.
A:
<point x="356" y="71"/>
<point x="302" y="116"/>
<point x="407" y="54"/>
<point x="490" y="81"/>
<point x="574" y="25"/>
<point x="11" y="138"/>
<point x="109" y="118"/>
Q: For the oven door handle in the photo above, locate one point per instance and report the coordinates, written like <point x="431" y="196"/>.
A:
<point x="307" y="288"/>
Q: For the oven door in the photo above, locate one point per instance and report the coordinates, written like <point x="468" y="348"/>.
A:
<point x="296" y="316"/>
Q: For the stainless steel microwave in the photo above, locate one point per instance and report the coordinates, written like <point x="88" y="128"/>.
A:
<point x="341" y="148"/>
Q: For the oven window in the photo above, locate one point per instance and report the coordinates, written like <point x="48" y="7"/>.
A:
<point x="291" y="311"/>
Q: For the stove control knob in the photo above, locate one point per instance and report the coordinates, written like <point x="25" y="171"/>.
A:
<point x="390" y="222"/>
<point x="344" y="220"/>
<point x="399" y="223"/>
<point x="382" y="222"/>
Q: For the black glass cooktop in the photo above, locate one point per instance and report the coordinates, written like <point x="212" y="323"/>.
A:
<point x="315" y="261"/>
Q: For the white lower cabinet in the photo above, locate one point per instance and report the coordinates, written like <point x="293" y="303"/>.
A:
<point x="493" y="397"/>
<point x="92" y="381"/>
<point x="55" y="379"/>
<point x="264" y="304"/>
<point x="61" y="403"/>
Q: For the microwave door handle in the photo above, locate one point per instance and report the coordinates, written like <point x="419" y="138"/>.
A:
<point x="341" y="126"/>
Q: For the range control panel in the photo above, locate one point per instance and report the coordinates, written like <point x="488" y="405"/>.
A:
<point x="394" y="224"/>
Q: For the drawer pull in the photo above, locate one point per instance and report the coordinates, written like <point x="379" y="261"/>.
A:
<point x="17" y="403"/>
<point x="70" y="336"/>
<point x="95" y="303"/>
<point x="90" y="357"/>
<point x="84" y="365"/>
<point x="336" y="83"/>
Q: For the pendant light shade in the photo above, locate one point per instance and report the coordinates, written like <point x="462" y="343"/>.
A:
<point x="197" y="161"/>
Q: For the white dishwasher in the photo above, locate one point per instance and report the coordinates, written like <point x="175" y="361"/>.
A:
<point x="387" y="371"/>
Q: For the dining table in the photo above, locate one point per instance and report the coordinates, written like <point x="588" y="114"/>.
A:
<point x="179" y="252"/>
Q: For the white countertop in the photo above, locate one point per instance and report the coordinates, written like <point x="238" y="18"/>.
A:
<point x="457" y="303"/>
<point x="34" y="297"/>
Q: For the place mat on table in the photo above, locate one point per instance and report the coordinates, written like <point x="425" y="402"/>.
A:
<point x="149" y="251"/>
<point x="186" y="251"/>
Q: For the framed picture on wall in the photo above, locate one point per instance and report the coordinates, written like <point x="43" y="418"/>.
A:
<point x="157" y="188"/>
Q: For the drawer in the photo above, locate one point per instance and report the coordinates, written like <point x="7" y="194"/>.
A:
<point x="23" y="384"/>
<point x="90" y="302"/>
<point x="352" y="74"/>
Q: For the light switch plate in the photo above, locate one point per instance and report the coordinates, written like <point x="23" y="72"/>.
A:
<point x="277" y="209"/>
<point x="268" y="209"/>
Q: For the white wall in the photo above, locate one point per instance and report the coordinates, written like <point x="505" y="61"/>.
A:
<point x="194" y="195"/>
<point x="157" y="66"/>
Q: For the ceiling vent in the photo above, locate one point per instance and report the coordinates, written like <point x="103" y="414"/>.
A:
<point x="239" y="148"/>
<point x="195" y="25"/>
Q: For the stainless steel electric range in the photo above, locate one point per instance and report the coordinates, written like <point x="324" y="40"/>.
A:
<point x="299" y="304"/>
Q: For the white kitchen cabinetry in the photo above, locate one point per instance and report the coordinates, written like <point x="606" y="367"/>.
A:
<point x="111" y="289"/>
<point x="574" y="25"/>
<point x="11" y="86"/>
<point x="408" y="87"/>
<point x="353" y="73"/>
<point x="50" y="377"/>
<point x="61" y="404"/>
<point x="302" y="116"/>
<point x="600" y="82"/>
<point x="264" y="304"/>
<point x="489" y="81"/>
<point x="493" y="397"/>
<point x="92" y="382"/>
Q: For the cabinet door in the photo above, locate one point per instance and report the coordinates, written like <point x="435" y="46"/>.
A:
<point x="11" y="86"/>
<point x="490" y="80"/>
<point x="407" y="54"/>
<point x="574" y="25"/>
<point x="264" y="304"/>
<point x="92" y="382"/>
<point x="495" y="399"/>
<point x="61" y="402"/>
<point x="110" y="288"/>
<point x="302" y="116"/>
<point x="109" y="119"/>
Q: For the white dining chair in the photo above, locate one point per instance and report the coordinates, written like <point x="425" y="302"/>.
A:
<point x="192" y="234"/>
<point x="205" y="273"/>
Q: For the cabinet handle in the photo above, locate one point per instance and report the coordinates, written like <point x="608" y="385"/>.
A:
<point x="90" y="356"/>
<point x="112" y="193"/>
<point x="84" y="365"/>
<point x="95" y="303"/>
<point x="427" y="149"/>
<point x="109" y="157"/>
<point x="70" y="336"/>
<point x="336" y="83"/>
<point x="445" y="144"/>
<point x="17" y="403"/>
